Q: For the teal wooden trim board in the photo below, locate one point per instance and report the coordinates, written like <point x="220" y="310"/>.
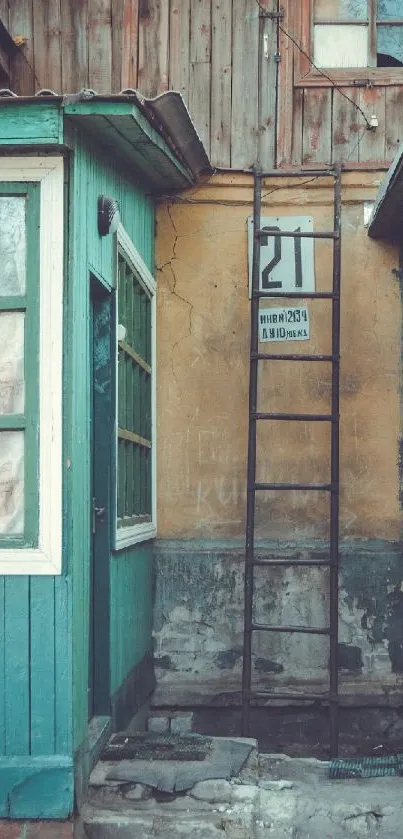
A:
<point x="119" y="127"/>
<point x="36" y="787"/>
<point x="37" y="122"/>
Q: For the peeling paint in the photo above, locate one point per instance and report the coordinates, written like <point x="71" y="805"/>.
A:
<point x="199" y="612"/>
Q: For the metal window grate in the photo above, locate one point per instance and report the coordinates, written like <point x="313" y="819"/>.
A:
<point x="134" y="398"/>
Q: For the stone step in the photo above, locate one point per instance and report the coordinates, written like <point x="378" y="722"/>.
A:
<point x="213" y="806"/>
<point x="153" y="824"/>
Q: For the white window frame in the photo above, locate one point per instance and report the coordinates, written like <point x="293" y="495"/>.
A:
<point x="49" y="173"/>
<point x="132" y="535"/>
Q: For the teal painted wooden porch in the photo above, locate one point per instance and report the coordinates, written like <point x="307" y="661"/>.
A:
<point x="47" y="737"/>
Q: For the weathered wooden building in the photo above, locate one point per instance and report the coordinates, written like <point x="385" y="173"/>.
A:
<point x="289" y="86"/>
<point x="245" y="77"/>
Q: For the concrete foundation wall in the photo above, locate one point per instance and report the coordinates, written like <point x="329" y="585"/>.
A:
<point x="199" y="619"/>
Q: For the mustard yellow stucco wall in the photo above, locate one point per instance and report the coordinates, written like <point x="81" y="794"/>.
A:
<point x="203" y="348"/>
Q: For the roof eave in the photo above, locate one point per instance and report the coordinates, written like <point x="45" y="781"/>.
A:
<point x="167" y="151"/>
<point x="387" y="215"/>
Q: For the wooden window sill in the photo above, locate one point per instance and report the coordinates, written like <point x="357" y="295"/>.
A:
<point x="356" y="77"/>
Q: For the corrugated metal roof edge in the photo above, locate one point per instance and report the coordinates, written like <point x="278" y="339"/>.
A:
<point x="167" y="113"/>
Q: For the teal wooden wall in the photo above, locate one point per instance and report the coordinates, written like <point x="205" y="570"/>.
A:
<point x="44" y="621"/>
<point x="91" y="175"/>
<point x="35" y="713"/>
<point x="131" y="611"/>
<point x="36" y="765"/>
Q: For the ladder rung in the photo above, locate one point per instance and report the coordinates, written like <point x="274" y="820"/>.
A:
<point x="297" y="417"/>
<point x="306" y="630"/>
<point x="327" y="234"/>
<point x="300" y="697"/>
<point x="297" y="295"/>
<point x="277" y="486"/>
<point x="293" y="563"/>
<point x="267" y="356"/>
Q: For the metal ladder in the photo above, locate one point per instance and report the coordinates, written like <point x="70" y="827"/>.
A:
<point x="249" y="696"/>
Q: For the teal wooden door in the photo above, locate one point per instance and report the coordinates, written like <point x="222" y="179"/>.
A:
<point x="102" y="425"/>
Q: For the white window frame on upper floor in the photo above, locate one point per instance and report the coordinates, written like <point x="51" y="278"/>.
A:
<point x="49" y="173"/>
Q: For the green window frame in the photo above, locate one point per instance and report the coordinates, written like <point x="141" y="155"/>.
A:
<point x="26" y="421"/>
<point x="135" y="502"/>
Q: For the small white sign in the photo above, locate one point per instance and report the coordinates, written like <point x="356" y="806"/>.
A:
<point x="286" y="263"/>
<point x="284" y="324"/>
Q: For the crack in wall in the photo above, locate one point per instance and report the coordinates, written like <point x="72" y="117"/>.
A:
<point x="172" y="287"/>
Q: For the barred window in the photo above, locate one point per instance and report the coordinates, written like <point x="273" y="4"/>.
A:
<point x="135" y="382"/>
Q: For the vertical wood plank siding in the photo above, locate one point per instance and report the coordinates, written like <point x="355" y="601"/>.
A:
<point x="131" y="611"/>
<point x="35" y="712"/>
<point x="208" y="51"/>
<point x="93" y="175"/>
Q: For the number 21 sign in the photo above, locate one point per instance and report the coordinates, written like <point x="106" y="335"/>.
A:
<point x="286" y="264"/>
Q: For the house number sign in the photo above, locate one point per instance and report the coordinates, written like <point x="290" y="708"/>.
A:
<point x="286" y="263"/>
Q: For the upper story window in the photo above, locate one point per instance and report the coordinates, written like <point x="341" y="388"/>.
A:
<point x="358" y="33"/>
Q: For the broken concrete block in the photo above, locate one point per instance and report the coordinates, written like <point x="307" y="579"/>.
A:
<point x="182" y="723"/>
<point x="215" y="791"/>
<point x="275" y="785"/>
<point x="244" y="793"/>
<point x="159" y="725"/>
<point x="138" y="792"/>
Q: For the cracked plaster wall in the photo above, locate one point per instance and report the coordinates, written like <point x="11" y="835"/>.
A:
<point x="203" y="345"/>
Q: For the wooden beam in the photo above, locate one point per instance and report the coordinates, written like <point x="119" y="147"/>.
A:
<point x="100" y="45"/>
<point x="132" y="437"/>
<point x="137" y="358"/>
<point x="47" y="41"/>
<point x="221" y="70"/>
<point x="74" y="17"/>
<point x="23" y="69"/>
<point x="179" y="47"/>
<point x="244" y="117"/>
<point x="153" y="47"/>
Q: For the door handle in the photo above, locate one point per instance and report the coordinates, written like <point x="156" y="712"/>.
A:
<point x="98" y="515"/>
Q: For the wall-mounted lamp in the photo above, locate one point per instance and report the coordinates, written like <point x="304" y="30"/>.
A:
<point x="108" y="215"/>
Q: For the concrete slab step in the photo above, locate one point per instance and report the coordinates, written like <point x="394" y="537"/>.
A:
<point x="151" y="825"/>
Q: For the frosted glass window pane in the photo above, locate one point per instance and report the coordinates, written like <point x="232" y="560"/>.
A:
<point x="389" y="9"/>
<point x="390" y="41"/>
<point x="341" y="46"/>
<point x="11" y="483"/>
<point x="12" y="362"/>
<point x="341" y="10"/>
<point x="12" y="245"/>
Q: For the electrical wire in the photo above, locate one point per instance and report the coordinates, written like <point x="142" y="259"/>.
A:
<point x="318" y="69"/>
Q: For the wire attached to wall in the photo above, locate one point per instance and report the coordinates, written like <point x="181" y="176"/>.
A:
<point x="318" y="69"/>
